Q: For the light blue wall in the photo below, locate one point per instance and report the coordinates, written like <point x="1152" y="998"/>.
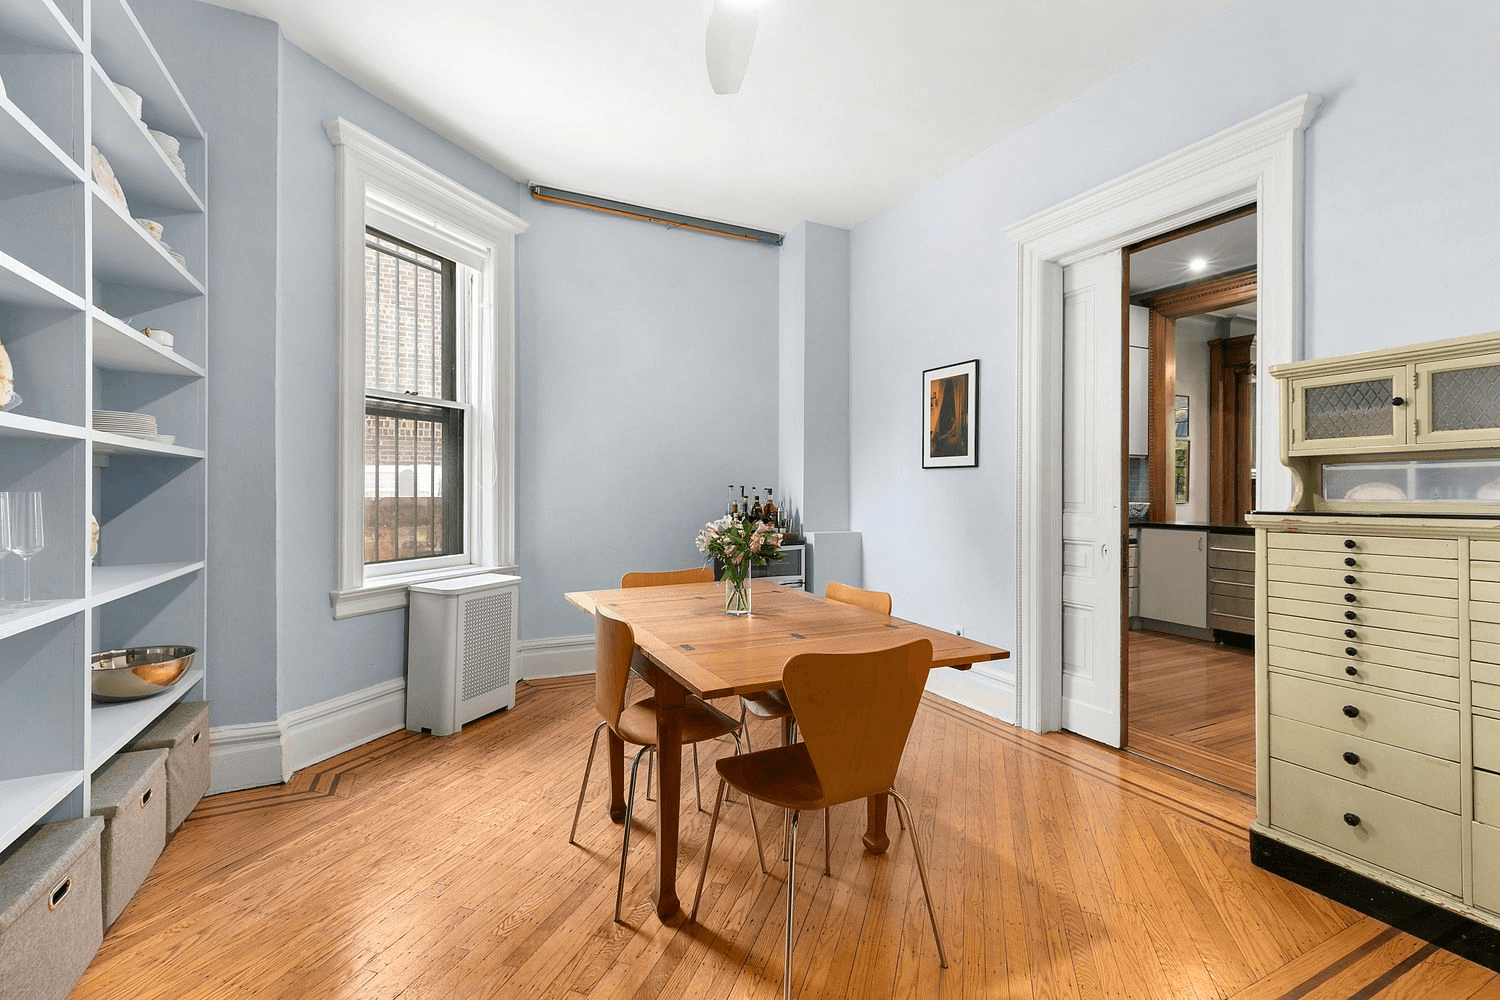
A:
<point x="321" y="658"/>
<point x="226" y="65"/>
<point x="1400" y="247"/>
<point x="646" y="383"/>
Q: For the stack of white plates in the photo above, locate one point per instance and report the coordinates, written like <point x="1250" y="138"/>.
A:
<point x="141" y="425"/>
<point x="131" y="98"/>
<point x="171" y="149"/>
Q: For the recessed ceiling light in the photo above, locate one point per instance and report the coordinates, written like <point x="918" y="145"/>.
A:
<point x="1197" y="264"/>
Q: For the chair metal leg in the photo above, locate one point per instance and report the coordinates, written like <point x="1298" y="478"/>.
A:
<point x="708" y="846"/>
<point x="745" y="725"/>
<point x="760" y="854"/>
<point x="649" y="768"/>
<point x="791" y="891"/>
<point x="578" y="811"/>
<point x="827" y="831"/>
<point x="697" y="779"/>
<point x="916" y="845"/>
<point x="625" y="841"/>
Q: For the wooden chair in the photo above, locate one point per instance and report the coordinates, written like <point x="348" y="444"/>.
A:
<point x="772" y="704"/>
<point x="855" y="712"/>
<point x="666" y="578"/>
<point x="614" y="641"/>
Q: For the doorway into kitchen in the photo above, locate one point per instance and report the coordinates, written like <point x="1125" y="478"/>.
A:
<point x="1190" y="479"/>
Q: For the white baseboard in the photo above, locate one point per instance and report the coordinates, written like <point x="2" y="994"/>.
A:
<point x="266" y="753"/>
<point x="247" y="756"/>
<point x="562" y="656"/>
<point x="330" y="727"/>
<point x="979" y="689"/>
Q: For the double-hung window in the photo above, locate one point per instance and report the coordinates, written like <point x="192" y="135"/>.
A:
<point x="425" y="472"/>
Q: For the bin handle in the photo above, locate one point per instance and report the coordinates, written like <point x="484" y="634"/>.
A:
<point x="195" y="737"/>
<point x="60" y="893"/>
<point x="146" y="798"/>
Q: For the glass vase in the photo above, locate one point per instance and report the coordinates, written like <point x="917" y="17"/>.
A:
<point x="737" y="592"/>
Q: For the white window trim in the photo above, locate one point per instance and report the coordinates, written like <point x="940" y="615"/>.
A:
<point x="380" y="185"/>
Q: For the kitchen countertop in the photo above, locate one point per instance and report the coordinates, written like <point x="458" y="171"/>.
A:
<point x="1227" y="529"/>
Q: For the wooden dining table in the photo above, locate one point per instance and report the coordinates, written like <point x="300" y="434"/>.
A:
<point x="693" y="647"/>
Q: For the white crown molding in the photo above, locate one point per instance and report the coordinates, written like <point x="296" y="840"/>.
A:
<point x="1259" y="160"/>
<point x="381" y="158"/>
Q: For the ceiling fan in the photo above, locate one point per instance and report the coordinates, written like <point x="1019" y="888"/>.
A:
<point x="727" y="45"/>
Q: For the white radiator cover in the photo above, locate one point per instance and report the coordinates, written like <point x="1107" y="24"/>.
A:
<point x="461" y="658"/>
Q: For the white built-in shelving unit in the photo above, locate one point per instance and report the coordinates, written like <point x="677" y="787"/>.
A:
<point x="80" y="279"/>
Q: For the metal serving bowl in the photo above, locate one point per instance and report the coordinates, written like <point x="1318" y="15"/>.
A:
<point x="138" y="672"/>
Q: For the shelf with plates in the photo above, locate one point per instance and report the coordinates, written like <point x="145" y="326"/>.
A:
<point x="125" y="254"/>
<point x="112" y="726"/>
<point x="124" y="444"/>
<point x="138" y="162"/>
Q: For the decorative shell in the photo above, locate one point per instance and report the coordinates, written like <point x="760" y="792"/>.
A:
<point x="93" y="536"/>
<point x="7" y="376"/>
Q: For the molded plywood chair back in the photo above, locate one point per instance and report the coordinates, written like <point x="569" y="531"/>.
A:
<point x="871" y="600"/>
<point x="698" y="574"/>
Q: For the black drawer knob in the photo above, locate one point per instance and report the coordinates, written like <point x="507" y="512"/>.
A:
<point x="1351" y="819"/>
<point x="1348" y="633"/>
<point x="1349" y="580"/>
<point x="1398" y="401"/>
<point x="1351" y="711"/>
<point x="1349" y="561"/>
<point x="1350" y="651"/>
<point x="1348" y="543"/>
<point x="1351" y="758"/>
<point x="1350" y="615"/>
<point x="1349" y="597"/>
<point x="1352" y="670"/>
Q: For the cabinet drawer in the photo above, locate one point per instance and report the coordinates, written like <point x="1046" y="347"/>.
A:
<point x="1487" y="743"/>
<point x="1391" y="680"/>
<point x="1484" y="611"/>
<point x="1347" y="578"/>
<point x="1487" y="875"/>
<point x="1231" y="623"/>
<point x="1486" y="696"/>
<point x="1364" y="545"/>
<point x="1484" y="591"/>
<point x="1481" y="570"/>
<point x="1397" y="621"/>
<point x="1240" y="607"/>
<point x="1484" y="550"/>
<point x="1429" y="729"/>
<point x="1346" y="559"/>
<point x="1415" y="840"/>
<point x="1357" y="600"/>
<point x="1414" y="776"/>
<point x="1487" y="797"/>
<point x="1233" y="578"/>
<point x="1365" y="652"/>
<point x="1337" y="627"/>
<point x="1482" y="672"/>
<point x="1231" y="559"/>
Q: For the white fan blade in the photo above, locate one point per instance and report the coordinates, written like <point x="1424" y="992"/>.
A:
<point x="731" y="36"/>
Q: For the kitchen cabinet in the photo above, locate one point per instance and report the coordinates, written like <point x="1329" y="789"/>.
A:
<point x="1140" y="380"/>
<point x="1174" y="576"/>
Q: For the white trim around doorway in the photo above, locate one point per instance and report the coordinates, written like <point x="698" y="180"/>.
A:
<point x="1259" y="160"/>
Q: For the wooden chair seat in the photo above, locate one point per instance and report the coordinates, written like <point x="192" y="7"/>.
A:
<point x="782" y="776"/>
<point x="700" y="721"/>
<point x="766" y="705"/>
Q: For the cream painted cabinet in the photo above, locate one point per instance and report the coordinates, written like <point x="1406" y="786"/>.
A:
<point x="1357" y="411"/>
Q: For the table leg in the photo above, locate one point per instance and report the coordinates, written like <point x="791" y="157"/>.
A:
<point x="616" y="777"/>
<point x="876" y="840"/>
<point x="670" y="699"/>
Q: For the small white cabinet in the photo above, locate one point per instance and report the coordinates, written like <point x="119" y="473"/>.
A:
<point x="1174" y="575"/>
<point x="1140" y="380"/>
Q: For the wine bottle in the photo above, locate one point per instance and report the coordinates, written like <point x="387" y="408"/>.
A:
<point x="757" y="512"/>
<point x="771" y="513"/>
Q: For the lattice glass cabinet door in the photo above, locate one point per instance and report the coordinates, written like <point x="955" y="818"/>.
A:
<point x="1458" y="400"/>
<point x="1363" y="410"/>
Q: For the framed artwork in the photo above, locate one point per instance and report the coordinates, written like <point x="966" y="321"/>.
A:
<point x="1180" y="418"/>
<point x="952" y="437"/>
<point x="1180" y="470"/>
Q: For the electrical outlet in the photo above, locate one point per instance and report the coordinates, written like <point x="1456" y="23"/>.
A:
<point x="958" y="630"/>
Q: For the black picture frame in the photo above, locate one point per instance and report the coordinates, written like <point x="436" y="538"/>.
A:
<point x="950" y="437"/>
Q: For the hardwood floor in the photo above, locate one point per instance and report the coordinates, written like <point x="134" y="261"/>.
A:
<point x="1192" y="707"/>
<point x="421" y="867"/>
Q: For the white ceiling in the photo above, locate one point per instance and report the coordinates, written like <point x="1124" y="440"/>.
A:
<point x="848" y="105"/>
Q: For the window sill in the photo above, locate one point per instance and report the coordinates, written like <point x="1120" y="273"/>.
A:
<point x="389" y="592"/>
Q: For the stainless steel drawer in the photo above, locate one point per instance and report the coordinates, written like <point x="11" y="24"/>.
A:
<point x="1241" y="607"/>
<point x="1231" y="623"/>
<point x="1415" y="776"/>
<point x="1429" y="729"/>
<point x="1419" y="841"/>
<point x="1232" y="577"/>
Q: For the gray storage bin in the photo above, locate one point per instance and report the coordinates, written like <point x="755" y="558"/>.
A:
<point x="183" y="733"/>
<point x="130" y="792"/>
<point x="50" y="923"/>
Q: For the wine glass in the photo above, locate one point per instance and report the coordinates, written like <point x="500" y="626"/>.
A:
<point x="4" y="542"/>
<point x="26" y="537"/>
